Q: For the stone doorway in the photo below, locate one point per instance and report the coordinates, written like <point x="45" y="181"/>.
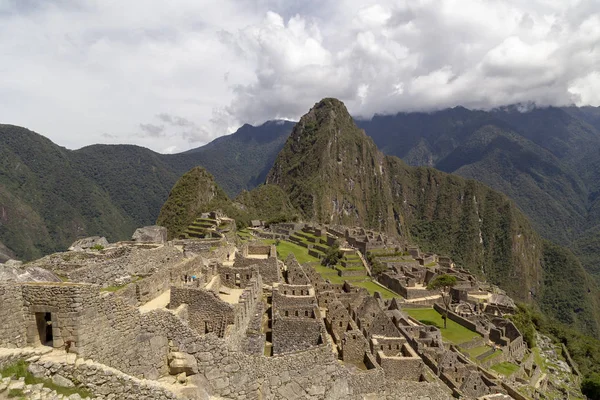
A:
<point x="44" y="324"/>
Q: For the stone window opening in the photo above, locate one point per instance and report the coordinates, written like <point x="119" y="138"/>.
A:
<point x="296" y="313"/>
<point x="340" y="324"/>
<point x="286" y="313"/>
<point x="306" y="313"/>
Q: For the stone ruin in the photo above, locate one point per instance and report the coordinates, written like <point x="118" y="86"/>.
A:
<point x="179" y="320"/>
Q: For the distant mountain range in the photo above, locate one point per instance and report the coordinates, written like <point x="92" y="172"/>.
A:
<point x="547" y="160"/>
<point x="50" y="196"/>
<point x="329" y="171"/>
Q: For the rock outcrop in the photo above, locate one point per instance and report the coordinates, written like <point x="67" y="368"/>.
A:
<point x="150" y="234"/>
<point x="18" y="273"/>
<point x="88" y="243"/>
<point x="182" y="363"/>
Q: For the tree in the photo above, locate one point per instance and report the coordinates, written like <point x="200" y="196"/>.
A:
<point x="333" y="255"/>
<point x="443" y="283"/>
<point x="377" y="267"/>
<point x="591" y="386"/>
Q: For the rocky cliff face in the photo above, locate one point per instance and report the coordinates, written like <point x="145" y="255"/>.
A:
<point x="334" y="173"/>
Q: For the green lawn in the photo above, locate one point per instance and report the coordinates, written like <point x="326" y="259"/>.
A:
<point x="477" y="351"/>
<point x="505" y="368"/>
<point x="372" y="287"/>
<point x="454" y="333"/>
<point x="493" y="355"/>
<point x="285" y="248"/>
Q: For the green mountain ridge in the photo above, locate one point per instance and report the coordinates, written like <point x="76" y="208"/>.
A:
<point x="50" y="196"/>
<point x="335" y="174"/>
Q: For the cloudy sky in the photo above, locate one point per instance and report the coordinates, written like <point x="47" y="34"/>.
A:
<point x="173" y="75"/>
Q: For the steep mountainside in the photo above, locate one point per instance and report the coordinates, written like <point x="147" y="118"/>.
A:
<point x="194" y="193"/>
<point x="50" y="196"/>
<point x="197" y="192"/>
<point x="547" y="160"/>
<point x="45" y="199"/>
<point x="334" y="173"/>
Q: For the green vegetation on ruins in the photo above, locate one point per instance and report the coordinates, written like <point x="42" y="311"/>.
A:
<point x="301" y="253"/>
<point x="19" y="370"/>
<point x="453" y="333"/>
<point x="334" y="173"/>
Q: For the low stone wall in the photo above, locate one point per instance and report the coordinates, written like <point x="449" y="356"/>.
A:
<point x="350" y="272"/>
<point x="104" y="382"/>
<point x="456" y="318"/>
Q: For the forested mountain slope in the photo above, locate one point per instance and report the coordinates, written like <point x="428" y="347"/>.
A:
<point x="334" y="173"/>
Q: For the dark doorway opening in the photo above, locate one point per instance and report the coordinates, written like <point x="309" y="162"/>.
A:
<point x="44" y="323"/>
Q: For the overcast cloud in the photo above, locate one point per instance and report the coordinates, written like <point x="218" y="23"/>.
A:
<point x="174" y="75"/>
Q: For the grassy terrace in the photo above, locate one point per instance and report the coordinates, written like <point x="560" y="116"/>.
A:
<point x="244" y="234"/>
<point x="505" y="368"/>
<point x="476" y="351"/>
<point x="454" y="333"/>
<point x="284" y="248"/>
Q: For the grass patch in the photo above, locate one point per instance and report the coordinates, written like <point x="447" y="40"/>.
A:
<point x="454" y="333"/>
<point x="114" y="288"/>
<point x="19" y="370"/>
<point x="285" y="248"/>
<point x="493" y="355"/>
<point x="505" y="368"/>
<point x="476" y="351"/>
<point x="13" y="393"/>
<point x="372" y="287"/>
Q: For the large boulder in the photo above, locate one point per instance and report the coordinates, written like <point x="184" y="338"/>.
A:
<point x="150" y="234"/>
<point x="182" y="362"/>
<point x="13" y="271"/>
<point x="88" y="243"/>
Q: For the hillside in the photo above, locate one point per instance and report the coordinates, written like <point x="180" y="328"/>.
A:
<point x="196" y="192"/>
<point x="50" y="196"/>
<point x="547" y="160"/>
<point x="47" y="201"/>
<point x="334" y="174"/>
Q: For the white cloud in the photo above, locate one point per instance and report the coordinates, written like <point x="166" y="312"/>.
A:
<point x="85" y="71"/>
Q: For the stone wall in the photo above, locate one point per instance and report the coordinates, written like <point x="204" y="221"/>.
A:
<point x="98" y="326"/>
<point x="12" y="327"/>
<point x="268" y="268"/>
<point x="128" y="262"/>
<point x="237" y="276"/>
<point x="206" y="311"/>
<point x="311" y="374"/>
<point x="407" y="366"/>
<point x="292" y="334"/>
<point x="104" y="382"/>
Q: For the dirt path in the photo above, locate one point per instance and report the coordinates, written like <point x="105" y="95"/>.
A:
<point x="158" y="302"/>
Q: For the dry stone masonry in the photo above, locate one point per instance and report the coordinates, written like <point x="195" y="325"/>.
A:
<point x="152" y="319"/>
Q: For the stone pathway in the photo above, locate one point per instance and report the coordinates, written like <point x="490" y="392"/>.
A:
<point x="160" y="301"/>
